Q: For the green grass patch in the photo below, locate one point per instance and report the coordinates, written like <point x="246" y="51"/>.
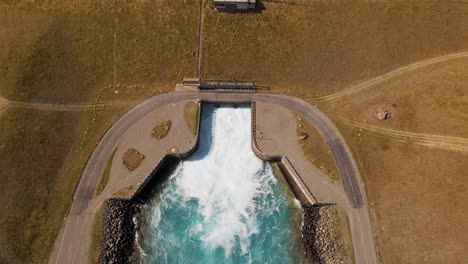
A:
<point x="192" y="116"/>
<point x="105" y="174"/>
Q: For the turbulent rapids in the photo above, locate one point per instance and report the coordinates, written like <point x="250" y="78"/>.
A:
<point x="222" y="205"/>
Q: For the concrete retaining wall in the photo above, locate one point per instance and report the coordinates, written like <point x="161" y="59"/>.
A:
<point x="294" y="180"/>
<point x="168" y="160"/>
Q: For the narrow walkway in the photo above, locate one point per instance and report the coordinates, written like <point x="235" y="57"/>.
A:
<point x="200" y="41"/>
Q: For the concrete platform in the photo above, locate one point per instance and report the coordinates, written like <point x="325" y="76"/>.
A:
<point x="138" y="136"/>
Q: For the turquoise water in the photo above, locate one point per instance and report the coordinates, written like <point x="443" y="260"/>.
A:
<point x="222" y="205"/>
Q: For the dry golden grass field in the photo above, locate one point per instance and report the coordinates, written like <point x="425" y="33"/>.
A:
<point x="417" y="197"/>
<point x="74" y="52"/>
<point x="315" y="149"/>
<point x="414" y="164"/>
<point x="85" y="51"/>
<point x="314" y="48"/>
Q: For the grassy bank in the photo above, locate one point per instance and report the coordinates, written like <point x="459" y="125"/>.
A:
<point x="161" y="130"/>
<point x="96" y="236"/>
<point x="343" y="231"/>
<point x="75" y="51"/>
<point x="33" y="148"/>
<point x="192" y="116"/>
<point x="315" y="149"/>
<point x="105" y="174"/>
<point x="43" y="154"/>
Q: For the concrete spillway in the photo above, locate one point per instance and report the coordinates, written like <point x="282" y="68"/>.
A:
<point x="223" y="204"/>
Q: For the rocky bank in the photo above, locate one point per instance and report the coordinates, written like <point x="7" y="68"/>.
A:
<point x="322" y="241"/>
<point x="118" y="241"/>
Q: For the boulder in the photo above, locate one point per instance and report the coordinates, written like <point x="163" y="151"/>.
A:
<point x="383" y="115"/>
<point x="302" y="136"/>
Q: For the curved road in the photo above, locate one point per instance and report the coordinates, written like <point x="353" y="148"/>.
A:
<point x="72" y="244"/>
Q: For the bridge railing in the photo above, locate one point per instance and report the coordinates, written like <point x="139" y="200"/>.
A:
<point x="225" y="85"/>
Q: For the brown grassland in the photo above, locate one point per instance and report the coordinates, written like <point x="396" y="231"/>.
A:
<point x="105" y="174"/>
<point x="311" y="49"/>
<point x="85" y="51"/>
<point x="43" y="154"/>
<point x="314" y="48"/>
<point x="343" y="231"/>
<point x="432" y="100"/>
<point x="416" y="195"/>
<point x="74" y="52"/>
<point x="97" y="235"/>
<point x="315" y="149"/>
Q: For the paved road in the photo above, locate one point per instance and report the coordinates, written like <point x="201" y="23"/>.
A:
<point x="72" y="245"/>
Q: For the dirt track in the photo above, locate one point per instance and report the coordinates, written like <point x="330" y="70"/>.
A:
<point x="436" y="141"/>
<point x="389" y="75"/>
<point x="65" y="107"/>
<point x="354" y="89"/>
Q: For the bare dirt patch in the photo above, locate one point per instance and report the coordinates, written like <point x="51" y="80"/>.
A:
<point x="161" y="130"/>
<point x="192" y="116"/>
<point x="132" y="159"/>
<point x="315" y="149"/>
<point x="126" y="192"/>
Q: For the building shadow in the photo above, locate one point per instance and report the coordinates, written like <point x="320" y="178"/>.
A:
<point x="156" y="179"/>
<point x="205" y="138"/>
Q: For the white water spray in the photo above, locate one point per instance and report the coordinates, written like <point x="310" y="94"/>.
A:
<point x="226" y="198"/>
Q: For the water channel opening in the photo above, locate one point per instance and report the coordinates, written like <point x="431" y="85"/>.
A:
<point x="223" y="204"/>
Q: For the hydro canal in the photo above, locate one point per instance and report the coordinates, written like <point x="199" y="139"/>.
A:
<point x="223" y="204"/>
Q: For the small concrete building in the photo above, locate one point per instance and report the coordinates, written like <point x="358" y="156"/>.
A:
<point x="233" y="4"/>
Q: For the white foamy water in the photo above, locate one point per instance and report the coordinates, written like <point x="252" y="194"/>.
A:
<point x="223" y="202"/>
<point x="223" y="182"/>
